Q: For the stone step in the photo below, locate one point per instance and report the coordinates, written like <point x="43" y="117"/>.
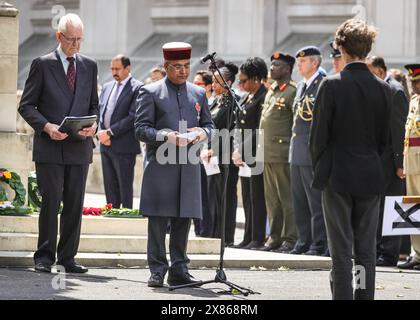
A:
<point x="106" y="243"/>
<point x="234" y="258"/>
<point x="90" y="225"/>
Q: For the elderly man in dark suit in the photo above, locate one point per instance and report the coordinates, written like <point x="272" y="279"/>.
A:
<point x="62" y="83"/>
<point x="389" y="247"/>
<point x="119" y="147"/>
<point x="167" y="110"/>
<point x="349" y="134"/>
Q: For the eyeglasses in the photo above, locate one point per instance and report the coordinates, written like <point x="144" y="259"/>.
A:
<point x="243" y="81"/>
<point x="198" y="83"/>
<point x="178" y="66"/>
<point x="71" y="40"/>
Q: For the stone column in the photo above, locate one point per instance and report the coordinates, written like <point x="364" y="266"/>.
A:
<point x="242" y="28"/>
<point x="14" y="147"/>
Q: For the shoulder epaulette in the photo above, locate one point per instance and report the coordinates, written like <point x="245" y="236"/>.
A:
<point x="293" y="83"/>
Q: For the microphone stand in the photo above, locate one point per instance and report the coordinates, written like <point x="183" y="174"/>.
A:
<point x="220" y="273"/>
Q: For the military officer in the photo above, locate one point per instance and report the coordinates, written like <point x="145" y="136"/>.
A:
<point x="412" y="155"/>
<point x="337" y="59"/>
<point x="276" y="123"/>
<point x="171" y="191"/>
<point x="312" y="239"/>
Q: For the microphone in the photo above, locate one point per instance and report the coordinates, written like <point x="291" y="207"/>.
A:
<point x="207" y="57"/>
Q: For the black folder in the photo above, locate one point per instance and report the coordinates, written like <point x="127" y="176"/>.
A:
<point x="72" y="125"/>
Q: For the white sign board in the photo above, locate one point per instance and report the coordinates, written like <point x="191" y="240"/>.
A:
<point x="400" y="218"/>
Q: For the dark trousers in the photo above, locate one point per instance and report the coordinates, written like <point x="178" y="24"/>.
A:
<point x="388" y="248"/>
<point x="259" y="211"/>
<point x="351" y="222"/>
<point x="60" y="183"/>
<point x="216" y="192"/>
<point x="204" y="227"/>
<point x="246" y="202"/>
<point x="308" y="210"/>
<point x="178" y="239"/>
<point x="118" y="174"/>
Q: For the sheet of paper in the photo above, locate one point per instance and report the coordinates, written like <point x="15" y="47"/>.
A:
<point x="245" y="171"/>
<point x="190" y="136"/>
<point x="212" y="167"/>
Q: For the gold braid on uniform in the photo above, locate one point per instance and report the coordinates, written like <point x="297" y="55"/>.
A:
<point x="305" y="109"/>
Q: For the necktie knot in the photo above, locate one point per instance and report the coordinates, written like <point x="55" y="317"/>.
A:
<point x="70" y="59"/>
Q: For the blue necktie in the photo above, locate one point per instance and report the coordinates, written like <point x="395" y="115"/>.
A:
<point x="112" y="102"/>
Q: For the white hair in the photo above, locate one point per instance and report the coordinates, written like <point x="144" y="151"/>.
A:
<point x="69" y="19"/>
<point x="317" y="58"/>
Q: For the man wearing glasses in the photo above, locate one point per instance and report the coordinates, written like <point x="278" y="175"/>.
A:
<point x="171" y="190"/>
<point x="62" y="83"/>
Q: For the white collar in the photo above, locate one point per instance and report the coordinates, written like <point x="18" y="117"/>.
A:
<point x="123" y="83"/>
<point x="62" y="55"/>
<point x="311" y="79"/>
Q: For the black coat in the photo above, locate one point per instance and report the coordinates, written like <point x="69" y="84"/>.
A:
<point x="350" y="131"/>
<point x="219" y="110"/>
<point x="48" y="98"/>
<point x="248" y="117"/>
<point x="122" y="119"/>
<point x="393" y="156"/>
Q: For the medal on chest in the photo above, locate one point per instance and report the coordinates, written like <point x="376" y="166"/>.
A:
<point x="198" y="109"/>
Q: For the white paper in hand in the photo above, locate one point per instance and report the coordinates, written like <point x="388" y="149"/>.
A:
<point x="245" y="171"/>
<point x="212" y="167"/>
<point x="189" y="136"/>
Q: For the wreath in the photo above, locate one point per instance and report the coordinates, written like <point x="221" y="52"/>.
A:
<point x="34" y="196"/>
<point x="12" y="179"/>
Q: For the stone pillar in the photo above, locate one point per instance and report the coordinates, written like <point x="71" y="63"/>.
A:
<point x="9" y="39"/>
<point x="397" y="22"/>
<point x="242" y="28"/>
<point x="14" y="147"/>
<point x="117" y="27"/>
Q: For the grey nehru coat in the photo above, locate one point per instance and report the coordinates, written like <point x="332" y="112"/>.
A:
<point x="170" y="190"/>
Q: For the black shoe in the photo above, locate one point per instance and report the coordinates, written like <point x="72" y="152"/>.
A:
<point x="382" y="262"/>
<point x="285" y="248"/>
<point x="241" y="245"/>
<point x="74" y="268"/>
<point x="155" y="280"/>
<point x="409" y="265"/>
<point x="177" y="279"/>
<point x="313" y="252"/>
<point x="254" y="245"/>
<point x="270" y="248"/>
<point x="41" y="267"/>
<point x="297" y="251"/>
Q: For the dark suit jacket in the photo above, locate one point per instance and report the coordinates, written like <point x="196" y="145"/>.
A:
<point x="48" y="98"/>
<point x="350" y="131"/>
<point x="393" y="155"/>
<point x="122" y="119"/>
<point x="248" y="117"/>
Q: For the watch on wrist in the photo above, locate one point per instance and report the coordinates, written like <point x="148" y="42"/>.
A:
<point x="108" y="132"/>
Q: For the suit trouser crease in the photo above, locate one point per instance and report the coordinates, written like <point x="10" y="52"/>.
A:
<point x="413" y="189"/>
<point x="278" y="201"/>
<point x="259" y="211"/>
<point x="156" y="248"/>
<point x="118" y="173"/>
<point x="58" y="183"/>
<point x="308" y="210"/>
<point x="351" y="227"/>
